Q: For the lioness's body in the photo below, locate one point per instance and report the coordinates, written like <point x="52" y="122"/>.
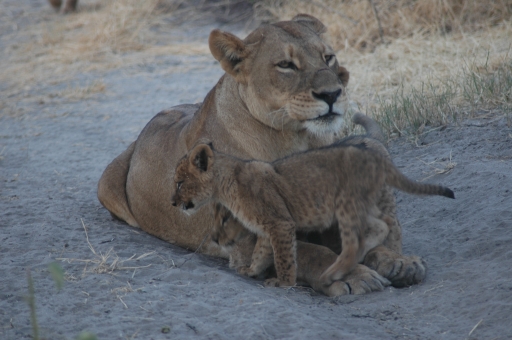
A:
<point x="340" y="185"/>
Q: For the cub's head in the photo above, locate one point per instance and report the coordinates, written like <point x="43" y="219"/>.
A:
<point x="194" y="179"/>
<point x="288" y="77"/>
<point x="226" y="229"/>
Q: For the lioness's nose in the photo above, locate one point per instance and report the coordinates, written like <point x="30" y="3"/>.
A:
<point x="328" y="97"/>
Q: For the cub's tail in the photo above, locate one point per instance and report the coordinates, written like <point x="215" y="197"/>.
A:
<point x="399" y="181"/>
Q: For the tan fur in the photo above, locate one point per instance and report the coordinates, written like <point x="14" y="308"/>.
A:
<point x="305" y="191"/>
<point x="262" y="108"/>
<point x="312" y="259"/>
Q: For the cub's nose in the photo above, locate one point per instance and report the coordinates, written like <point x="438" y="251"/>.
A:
<point x="328" y="97"/>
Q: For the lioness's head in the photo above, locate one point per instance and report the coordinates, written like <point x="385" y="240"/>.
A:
<point x="287" y="75"/>
<point x="194" y="187"/>
<point x="226" y="229"/>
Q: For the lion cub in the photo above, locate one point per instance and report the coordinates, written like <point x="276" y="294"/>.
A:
<point x="306" y="191"/>
<point x="312" y="259"/>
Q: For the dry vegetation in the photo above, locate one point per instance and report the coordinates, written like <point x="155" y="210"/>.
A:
<point x="422" y="62"/>
<point x="412" y="62"/>
<point x="104" y="263"/>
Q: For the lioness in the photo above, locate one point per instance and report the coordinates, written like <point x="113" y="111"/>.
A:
<point x="276" y="199"/>
<point x="312" y="259"/>
<point x="283" y="92"/>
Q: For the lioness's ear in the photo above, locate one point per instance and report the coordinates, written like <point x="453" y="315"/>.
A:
<point x="344" y="75"/>
<point x="310" y="21"/>
<point x="201" y="157"/>
<point x="230" y="51"/>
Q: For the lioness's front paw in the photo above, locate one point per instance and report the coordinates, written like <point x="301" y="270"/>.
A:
<point x="364" y="280"/>
<point x="401" y="270"/>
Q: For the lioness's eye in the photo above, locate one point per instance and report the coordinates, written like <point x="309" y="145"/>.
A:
<point x="287" y="64"/>
<point x="329" y="58"/>
<point x="178" y="185"/>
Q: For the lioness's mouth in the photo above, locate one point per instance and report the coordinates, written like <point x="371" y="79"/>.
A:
<point x="328" y="117"/>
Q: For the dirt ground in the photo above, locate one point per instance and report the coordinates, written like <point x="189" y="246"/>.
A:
<point x="122" y="283"/>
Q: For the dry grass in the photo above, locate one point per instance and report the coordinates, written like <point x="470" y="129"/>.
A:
<point x="440" y="60"/>
<point x="105" y="263"/>
<point x="473" y="91"/>
<point x="355" y="24"/>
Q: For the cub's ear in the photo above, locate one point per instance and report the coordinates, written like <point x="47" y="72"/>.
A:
<point x="343" y="75"/>
<point x="201" y="157"/>
<point x="310" y="21"/>
<point x="230" y="51"/>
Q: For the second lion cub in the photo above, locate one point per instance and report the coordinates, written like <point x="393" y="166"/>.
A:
<point x="306" y="191"/>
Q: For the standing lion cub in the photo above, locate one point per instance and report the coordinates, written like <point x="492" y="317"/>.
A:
<point x="312" y="259"/>
<point x="306" y="191"/>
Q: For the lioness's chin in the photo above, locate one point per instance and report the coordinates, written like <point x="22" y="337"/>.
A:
<point x="325" y="125"/>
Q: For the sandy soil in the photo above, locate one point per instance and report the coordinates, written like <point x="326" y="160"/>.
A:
<point x="124" y="284"/>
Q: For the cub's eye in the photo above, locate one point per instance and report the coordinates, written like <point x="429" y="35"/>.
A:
<point x="287" y="64"/>
<point x="329" y="59"/>
<point x="178" y="185"/>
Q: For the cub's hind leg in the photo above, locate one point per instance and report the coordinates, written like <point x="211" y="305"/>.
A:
<point x="352" y="220"/>
<point x="387" y="259"/>
<point x="377" y="229"/>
